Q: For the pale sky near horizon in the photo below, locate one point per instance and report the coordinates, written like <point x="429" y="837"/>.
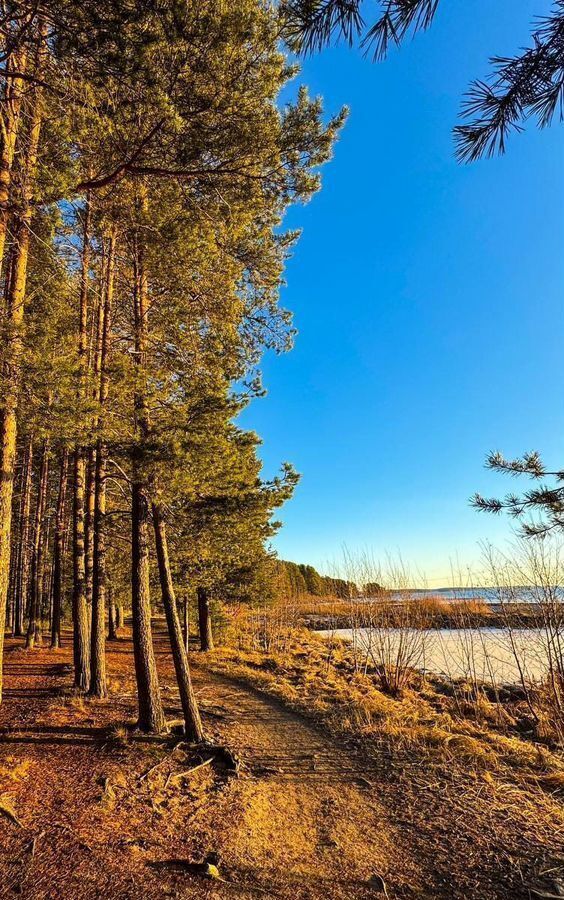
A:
<point x="428" y="297"/>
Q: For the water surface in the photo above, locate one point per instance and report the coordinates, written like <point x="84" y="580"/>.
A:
<point x="494" y="655"/>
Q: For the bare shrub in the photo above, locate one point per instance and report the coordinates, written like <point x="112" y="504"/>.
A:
<point x="386" y="625"/>
<point x="528" y="585"/>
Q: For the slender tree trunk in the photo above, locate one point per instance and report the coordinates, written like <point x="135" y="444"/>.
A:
<point x="151" y="715"/>
<point x="11" y="116"/>
<point x="23" y="569"/>
<point x="98" y="685"/>
<point x="192" y="720"/>
<point x="89" y="516"/>
<point x="58" y="552"/>
<point x="13" y="342"/>
<point x="120" y="616"/>
<point x="46" y="579"/>
<point x="16" y="551"/>
<point x="112" y="616"/>
<point x="80" y="609"/>
<point x="34" y="635"/>
<point x="204" y="620"/>
<point x="185" y="623"/>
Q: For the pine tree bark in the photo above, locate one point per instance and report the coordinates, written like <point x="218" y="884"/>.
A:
<point x="192" y="721"/>
<point x="34" y="634"/>
<point x="204" y="621"/>
<point x="98" y="685"/>
<point x="58" y="552"/>
<point x="12" y="104"/>
<point x="151" y="715"/>
<point x="80" y="609"/>
<point x="13" y="342"/>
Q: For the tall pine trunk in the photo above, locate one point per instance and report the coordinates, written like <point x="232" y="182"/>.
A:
<point x="22" y="576"/>
<point x="192" y="721"/>
<point x="11" y="115"/>
<point x="151" y="715"/>
<point x="59" y="551"/>
<point x="34" y="635"/>
<point x="204" y="620"/>
<point x="16" y="551"/>
<point x="89" y="516"/>
<point x="13" y="343"/>
<point x="80" y="609"/>
<point x="98" y="686"/>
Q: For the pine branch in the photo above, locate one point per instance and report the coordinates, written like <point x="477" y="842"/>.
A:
<point x="530" y="84"/>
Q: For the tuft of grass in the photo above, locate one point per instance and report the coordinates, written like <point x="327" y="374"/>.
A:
<point x="118" y="736"/>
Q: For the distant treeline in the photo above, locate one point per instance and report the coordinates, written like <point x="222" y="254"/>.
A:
<point x="297" y="579"/>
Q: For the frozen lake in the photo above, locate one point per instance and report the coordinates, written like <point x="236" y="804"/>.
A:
<point x="485" y="654"/>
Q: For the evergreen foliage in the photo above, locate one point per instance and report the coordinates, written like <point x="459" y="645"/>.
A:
<point x="146" y="164"/>
<point x="527" y="85"/>
<point x="540" y="510"/>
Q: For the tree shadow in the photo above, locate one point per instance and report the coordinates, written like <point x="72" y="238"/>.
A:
<point x="56" y="734"/>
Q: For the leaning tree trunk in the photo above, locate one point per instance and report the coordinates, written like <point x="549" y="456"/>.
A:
<point x="192" y="720"/>
<point x="204" y="620"/>
<point x="34" y="635"/>
<point x="58" y="552"/>
<point x="13" y="341"/>
<point x="80" y="609"/>
<point x="151" y="715"/>
<point x="98" y="685"/>
<point x="23" y="557"/>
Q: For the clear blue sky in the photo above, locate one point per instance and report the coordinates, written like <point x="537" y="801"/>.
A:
<point x="428" y="297"/>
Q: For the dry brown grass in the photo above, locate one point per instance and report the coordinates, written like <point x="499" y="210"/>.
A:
<point x="320" y="678"/>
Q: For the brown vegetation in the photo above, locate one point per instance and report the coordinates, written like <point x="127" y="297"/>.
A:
<point x="406" y="793"/>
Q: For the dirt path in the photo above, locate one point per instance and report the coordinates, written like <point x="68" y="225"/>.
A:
<point x="104" y="815"/>
<point x="306" y="815"/>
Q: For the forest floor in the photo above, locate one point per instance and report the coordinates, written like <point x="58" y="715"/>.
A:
<point x="90" y="809"/>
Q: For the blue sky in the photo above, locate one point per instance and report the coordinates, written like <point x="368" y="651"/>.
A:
<point x="428" y="300"/>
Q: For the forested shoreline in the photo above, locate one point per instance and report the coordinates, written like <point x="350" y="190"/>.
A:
<point x="144" y="175"/>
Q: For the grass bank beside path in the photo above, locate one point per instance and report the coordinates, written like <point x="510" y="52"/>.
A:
<point x="323" y="807"/>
